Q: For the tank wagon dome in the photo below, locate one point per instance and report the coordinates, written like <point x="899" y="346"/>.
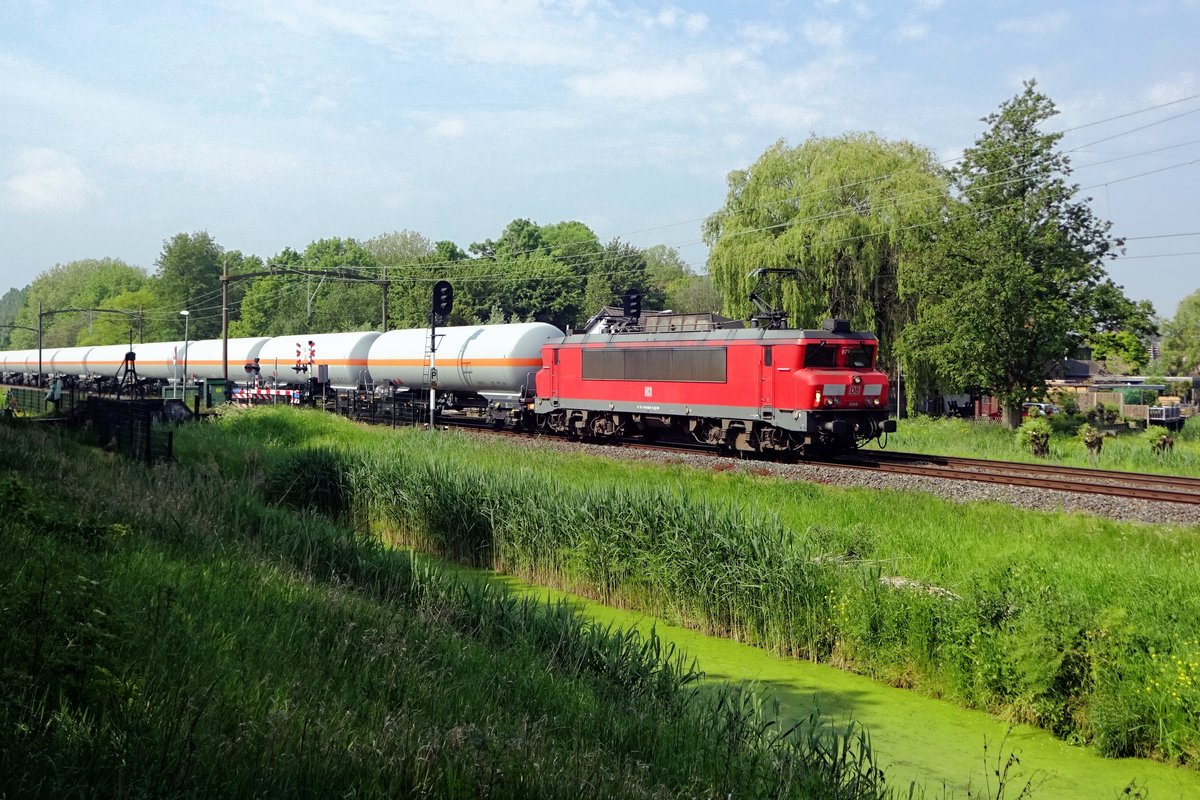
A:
<point x="485" y="359"/>
<point x="205" y="358"/>
<point x="343" y="354"/>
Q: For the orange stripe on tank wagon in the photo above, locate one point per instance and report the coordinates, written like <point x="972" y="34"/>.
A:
<point x="458" y="362"/>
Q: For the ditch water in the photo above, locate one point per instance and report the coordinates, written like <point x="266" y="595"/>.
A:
<point x="916" y="739"/>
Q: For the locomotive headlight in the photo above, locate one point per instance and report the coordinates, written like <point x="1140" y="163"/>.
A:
<point x="817" y="401"/>
<point x="857" y="379"/>
<point x="829" y="402"/>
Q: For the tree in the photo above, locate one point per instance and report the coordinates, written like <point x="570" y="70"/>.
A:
<point x="88" y="283"/>
<point x="274" y="305"/>
<point x="290" y="303"/>
<point x="189" y="278"/>
<point x="846" y="212"/>
<point x="533" y="273"/>
<point x="1181" y="343"/>
<point x="618" y="268"/>
<point x="692" y="294"/>
<point x="1016" y="273"/>
<point x="674" y="285"/>
<point x="10" y="305"/>
<point x="404" y="258"/>
<point x="1122" y="351"/>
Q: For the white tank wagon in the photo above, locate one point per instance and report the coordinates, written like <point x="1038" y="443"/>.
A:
<point x="204" y="357"/>
<point x="70" y="361"/>
<point x="483" y="359"/>
<point x="153" y="360"/>
<point x="297" y="358"/>
<point x="16" y="362"/>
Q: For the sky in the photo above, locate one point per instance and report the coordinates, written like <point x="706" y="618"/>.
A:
<point x="271" y="124"/>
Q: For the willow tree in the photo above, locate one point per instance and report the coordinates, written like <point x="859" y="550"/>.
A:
<point x="844" y="212"/>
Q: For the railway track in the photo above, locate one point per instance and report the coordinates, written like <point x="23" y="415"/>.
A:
<point x="1111" y="483"/>
<point x="1132" y="485"/>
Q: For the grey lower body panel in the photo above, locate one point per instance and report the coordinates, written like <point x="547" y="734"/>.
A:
<point x="814" y="422"/>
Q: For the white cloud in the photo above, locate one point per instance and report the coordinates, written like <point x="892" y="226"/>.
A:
<point x="695" y="23"/>
<point x="789" y="118"/>
<point x="322" y="103"/>
<point x="521" y="32"/>
<point x="449" y="128"/>
<point x="1174" y="88"/>
<point x="649" y="84"/>
<point x="929" y="5"/>
<point x="763" y="34"/>
<point x="912" y="32"/>
<point x="44" y="179"/>
<point x="1050" y="22"/>
<point x="825" y="34"/>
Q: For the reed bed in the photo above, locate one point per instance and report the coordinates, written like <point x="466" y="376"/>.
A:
<point x="1063" y="621"/>
<point x="165" y="633"/>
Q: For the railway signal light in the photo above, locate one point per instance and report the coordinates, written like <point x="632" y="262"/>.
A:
<point x="633" y="304"/>
<point x="443" y="298"/>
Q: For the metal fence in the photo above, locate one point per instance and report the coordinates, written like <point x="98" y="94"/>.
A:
<point x="138" y="429"/>
<point x="31" y="401"/>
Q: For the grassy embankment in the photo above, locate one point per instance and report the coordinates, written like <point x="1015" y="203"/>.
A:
<point x="165" y="633"/>
<point x="1130" y="452"/>
<point x="1084" y="626"/>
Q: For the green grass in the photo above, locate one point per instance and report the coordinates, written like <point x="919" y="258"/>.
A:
<point x="1069" y="622"/>
<point x="1129" y="452"/>
<point x="165" y="633"/>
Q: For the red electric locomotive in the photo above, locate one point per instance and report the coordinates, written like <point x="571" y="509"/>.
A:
<point x="753" y="389"/>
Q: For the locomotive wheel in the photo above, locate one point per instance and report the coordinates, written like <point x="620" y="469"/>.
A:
<point x="710" y="432"/>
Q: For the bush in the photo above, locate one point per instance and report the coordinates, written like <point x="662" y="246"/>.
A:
<point x="1034" y="435"/>
<point x="1190" y="432"/>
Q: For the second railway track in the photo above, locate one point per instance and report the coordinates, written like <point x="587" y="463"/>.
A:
<point x="1113" y="483"/>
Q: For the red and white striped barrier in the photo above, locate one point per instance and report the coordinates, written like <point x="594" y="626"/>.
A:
<point x="254" y="395"/>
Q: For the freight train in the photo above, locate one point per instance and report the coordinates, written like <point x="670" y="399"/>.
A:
<point x="755" y="389"/>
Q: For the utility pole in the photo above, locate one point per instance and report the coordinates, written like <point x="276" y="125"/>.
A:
<point x="225" y="323"/>
<point x="384" y="283"/>
<point x="39" y="342"/>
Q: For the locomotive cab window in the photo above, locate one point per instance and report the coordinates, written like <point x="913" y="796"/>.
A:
<point x="859" y="356"/>
<point x="821" y="354"/>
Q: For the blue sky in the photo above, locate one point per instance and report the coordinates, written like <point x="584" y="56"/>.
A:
<point x="271" y="124"/>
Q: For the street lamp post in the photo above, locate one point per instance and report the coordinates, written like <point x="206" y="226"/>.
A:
<point x="185" y="314"/>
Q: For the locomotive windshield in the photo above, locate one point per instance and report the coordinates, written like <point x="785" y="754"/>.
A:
<point x="841" y="354"/>
<point x="821" y="354"/>
<point x="858" y="356"/>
